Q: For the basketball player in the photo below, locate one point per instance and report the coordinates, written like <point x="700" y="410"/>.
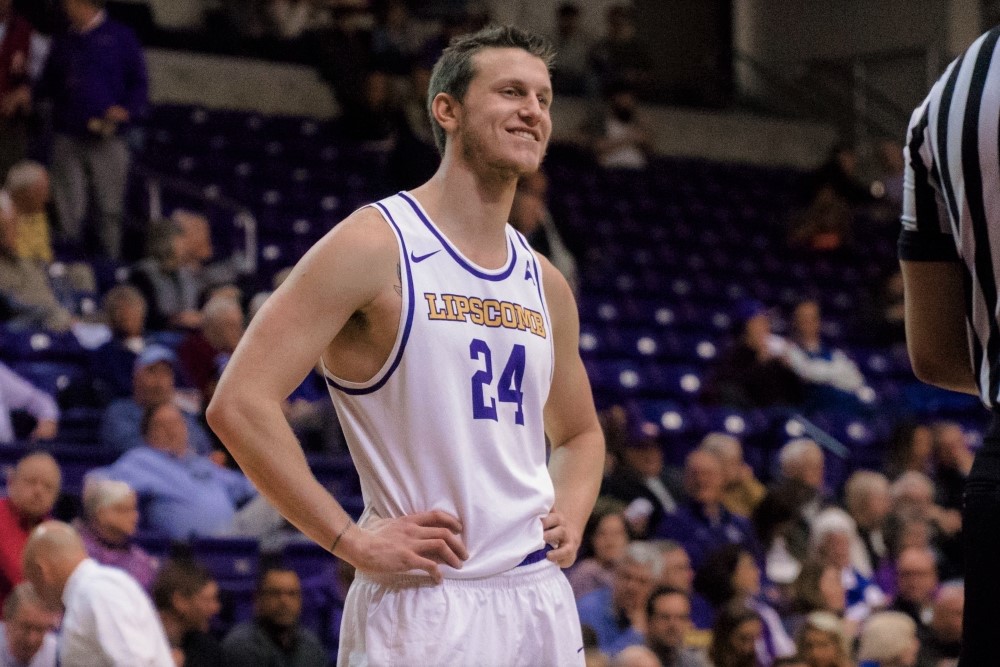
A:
<point x="451" y="351"/>
<point x="949" y="247"/>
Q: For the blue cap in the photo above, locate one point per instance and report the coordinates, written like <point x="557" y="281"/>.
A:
<point x="154" y="354"/>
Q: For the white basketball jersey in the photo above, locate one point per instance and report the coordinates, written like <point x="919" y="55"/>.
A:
<point x="453" y="419"/>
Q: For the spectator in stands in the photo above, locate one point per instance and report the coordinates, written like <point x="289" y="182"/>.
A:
<point x="802" y="462"/>
<point x="818" y="588"/>
<point x="16" y="393"/>
<point x="903" y="532"/>
<point x="28" y="187"/>
<point x="913" y="498"/>
<point x="643" y="481"/>
<point x="274" y="636"/>
<point x="754" y="371"/>
<point x="183" y="493"/>
<point x="669" y="622"/>
<point x="911" y="448"/>
<point x="702" y="523"/>
<point x="96" y="79"/>
<point x="167" y="280"/>
<point x="783" y="531"/>
<point x="832" y="377"/>
<point x="371" y="119"/>
<point x="620" y="57"/>
<point x="22" y="55"/>
<point x="26" y="637"/>
<point x="835" y="194"/>
<point x="110" y="519"/>
<point x="530" y="215"/>
<point x="917" y="582"/>
<point x="867" y="499"/>
<point x="678" y="574"/>
<point x="605" y="539"/>
<point x="833" y="540"/>
<point x="730" y="575"/>
<point x="152" y="385"/>
<point x="108" y="619"/>
<point x="822" y="641"/>
<point x="735" y="636"/>
<point x="204" y="353"/>
<point x="573" y="45"/>
<point x="618" y="615"/>
<point x="888" y="639"/>
<point x="32" y="490"/>
<point x="113" y="363"/>
<point x="952" y="463"/>
<point x="635" y="656"/>
<point x="25" y="284"/>
<point x="197" y="254"/>
<point x="291" y="19"/>
<point x="187" y="599"/>
<point x="941" y="642"/>
<point x="415" y="156"/>
<point x="395" y="43"/>
<point x="617" y="136"/>
<point x="742" y="492"/>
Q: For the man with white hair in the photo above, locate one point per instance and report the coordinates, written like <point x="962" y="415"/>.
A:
<point x="26" y="637"/>
<point x="27" y="186"/>
<point x="742" y="491"/>
<point x="802" y="460"/>
<point x="866" y="496"/>
<point x="108" y="620"/>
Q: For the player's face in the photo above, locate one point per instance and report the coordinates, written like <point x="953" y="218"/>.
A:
<point x="505" y="123"/>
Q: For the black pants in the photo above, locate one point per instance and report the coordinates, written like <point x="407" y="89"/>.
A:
<point x="981" y="528"/>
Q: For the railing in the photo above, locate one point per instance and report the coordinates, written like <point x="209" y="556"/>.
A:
<point x="243" y="220"/>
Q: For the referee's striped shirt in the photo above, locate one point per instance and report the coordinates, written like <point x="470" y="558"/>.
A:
<point x="951" y="202"/>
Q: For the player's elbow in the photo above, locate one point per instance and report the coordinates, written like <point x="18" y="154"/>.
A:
<point x="223" y="412"/>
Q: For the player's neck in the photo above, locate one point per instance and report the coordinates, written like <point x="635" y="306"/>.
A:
<point x="471" y="209"/>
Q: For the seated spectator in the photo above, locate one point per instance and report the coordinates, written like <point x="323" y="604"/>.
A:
<point x="730" y="575"/>
<point x="635" y="656"/>
<point x="274" y="636"/>
<point x="25" y="284"/>
<point x="187" y="599"/>
<point x="291" y="19"/>
<point x="110" y="519"/>
<point x="913" y="498"/>
<point x="573" y="46"/>
<point x="618" y="614"/>
<point x="605" y="539"/>
<point x="642" y="480"/>
<point x="916" y="585"/>
<point x="167" y="280"/>
<point x="182" y="493"/>
<point x="204" y="353"/>
<point x="197" y="254"/>
<point x="530" y="215"/>
<point x="620" y="56"/>
<point x="16" y="393"/>
<point x="26" y="632"/>
<point x="783" y="531"/>
<point x="902" y="533"/>
<point x="832" y="378"/>
<point x="112" y="364"/>
<point x="941" y="642"/>
<point x="818" y="588"/>
<point x="911" y="448"/>
<point x="395" y="41"/>
<point x="754" y="372"/>
<point x="32" y="490"/>
<point x="678" y="574"/>
<point x="371" y="119"/>
<point x="735" y="636"/>
<point x="617" y="137"/>
<point x="866" y="497"/>
<point x="25" y="51"/>
<point x="834" y="537"/>
<point x="822" y="641"/>
<point x="669" y="622"/>
<point x="28" y="187"/>
<point x="803" y="468"/>
<point x="888" y="639"/>
<point x="107" y="617"/>
<point x="703" y="524"/>
<point x="952" y="463"/>
<point x="742" y="492"/>
<point x="152" y="385"/>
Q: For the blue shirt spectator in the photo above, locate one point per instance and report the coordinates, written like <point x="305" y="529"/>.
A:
<point x="91" y="70"/>
<point x="182" y="493"/>
<point x="16" y="393"/>
<point x="612" y="626"/>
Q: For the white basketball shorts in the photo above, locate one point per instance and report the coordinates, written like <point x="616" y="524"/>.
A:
<point x="524" y="617"/>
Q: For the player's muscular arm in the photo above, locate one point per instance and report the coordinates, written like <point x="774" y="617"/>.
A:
<point x="577" y="460"/>
<point x="343" y="273"/>
<point x="934" y="313"/>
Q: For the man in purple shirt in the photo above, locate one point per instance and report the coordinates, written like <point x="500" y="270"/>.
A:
<point x="96" y="80"/>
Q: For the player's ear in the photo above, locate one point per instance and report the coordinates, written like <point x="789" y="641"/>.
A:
<point x="446" y="111"/>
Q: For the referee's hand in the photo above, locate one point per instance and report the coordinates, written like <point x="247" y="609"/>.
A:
<point x="414" y="542"/>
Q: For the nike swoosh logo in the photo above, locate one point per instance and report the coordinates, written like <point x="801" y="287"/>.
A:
<point x="419" y="258"/>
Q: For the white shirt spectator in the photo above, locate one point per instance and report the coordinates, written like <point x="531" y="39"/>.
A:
<point x="16" y="393"/>
<point x="46" y="656"/>
<point x="110" y="621"/>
